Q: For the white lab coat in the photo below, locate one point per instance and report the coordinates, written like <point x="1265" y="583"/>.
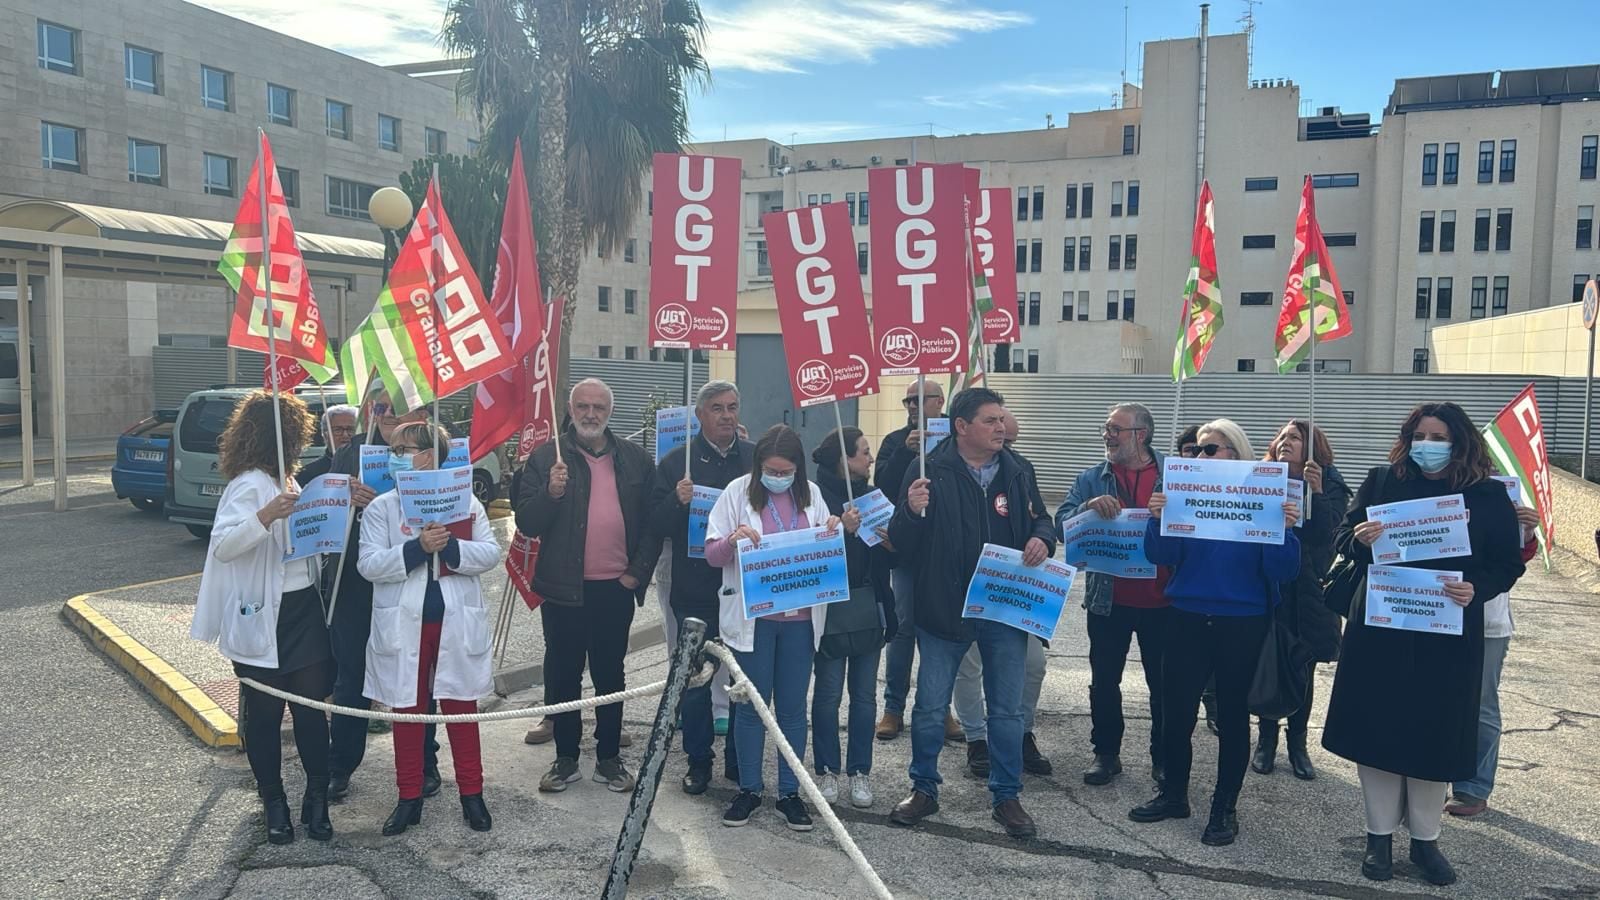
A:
<point x="463" y="671"/>
<point x="243" y="571"/>
<point x="731" y="510"/>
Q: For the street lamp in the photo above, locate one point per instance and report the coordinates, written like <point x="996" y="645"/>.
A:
<point x="390" y="209"/>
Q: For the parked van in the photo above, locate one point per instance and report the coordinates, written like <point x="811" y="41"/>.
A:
<point x="11" y="382"/>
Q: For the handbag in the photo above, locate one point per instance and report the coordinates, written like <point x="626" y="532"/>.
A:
<point x="1346" y="575"/>
<point x="1278" y="688"/>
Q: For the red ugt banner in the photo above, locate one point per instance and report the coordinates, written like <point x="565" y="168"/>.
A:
<point x="694" y="278"/>
<point x="993" y="232"/>
<point x="821" y="309"/>
<point x="919" y="269"/>
<point x="540" y="414"/>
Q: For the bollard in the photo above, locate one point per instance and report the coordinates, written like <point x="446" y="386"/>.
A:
<point x="686" y="660"/>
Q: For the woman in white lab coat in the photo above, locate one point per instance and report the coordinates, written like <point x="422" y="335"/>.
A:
<point x="430" y="633"/>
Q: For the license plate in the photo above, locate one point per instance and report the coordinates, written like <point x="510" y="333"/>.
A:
<point x="211" y="490"/>
<point x="148" y="456"/>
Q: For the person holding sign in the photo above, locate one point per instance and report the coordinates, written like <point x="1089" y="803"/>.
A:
<point x="856" y="630"/>
<point x="1405" y="703"/>
<point x="1222" y="595"/>
<point x="430" y="630"/>
<point x="265" y="614"/>
<point x="974" y="493"/>
<point x="1306" y="450"/>
<point x="775" y="651"/>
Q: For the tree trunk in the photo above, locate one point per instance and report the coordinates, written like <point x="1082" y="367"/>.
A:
<point x="557" y="24"/>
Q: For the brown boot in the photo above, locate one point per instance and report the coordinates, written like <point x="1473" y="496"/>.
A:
<point x="953" y="731"/>
<point x="913" y="809"/>
<point x="541" y="733"/>
<point x="1016" y="820"/>
<point x="890" y="726"/>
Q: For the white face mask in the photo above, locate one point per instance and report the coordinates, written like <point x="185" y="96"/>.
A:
<point x="777" y="484"/>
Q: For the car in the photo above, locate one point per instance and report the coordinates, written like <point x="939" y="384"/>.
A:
<point x="11" y="382"/>
<point x="139" y="473"/>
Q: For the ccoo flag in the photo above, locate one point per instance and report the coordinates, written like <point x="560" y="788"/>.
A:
<point x="1202" y="294"/>
<point x="1311" y="289"/>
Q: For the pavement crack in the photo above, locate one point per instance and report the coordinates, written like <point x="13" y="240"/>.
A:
<point x="1563" y="717"/>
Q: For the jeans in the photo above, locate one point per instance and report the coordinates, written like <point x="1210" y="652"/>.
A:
<point x="780" y="670"/>
<point x="1482" y="784"/>
<point x="698" y="708"/>
<point x="831" y="678"/>
<point x="596" y="633"/>
<point x="1202" y="646"/>
<point x="1003" y="650"/>
<point x="1110" y="636"/>
<point x="967" y="699"/>
<point x="902" y="649"/>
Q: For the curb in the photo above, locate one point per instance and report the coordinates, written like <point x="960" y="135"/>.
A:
<point x="213" y="726"/>
<point x="39" y="461"/>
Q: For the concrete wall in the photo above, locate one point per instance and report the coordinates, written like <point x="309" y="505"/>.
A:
<point x="1577" y="508"/>
<point x="1549" y="341"/>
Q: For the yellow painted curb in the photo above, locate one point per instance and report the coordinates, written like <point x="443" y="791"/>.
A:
<point x="209" y="722"/>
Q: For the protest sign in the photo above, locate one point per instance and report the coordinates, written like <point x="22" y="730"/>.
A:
<point x="458" y="455"/>
<point x="694" y="279"/>
<point x="1112" y="546"/>
<point x="699" y="516"/>
<point x="321" y="518"/>
<point x="1029" y="598"/>
<point x="938" y="430"/>
<point x="1513" y="487"/>
<point x="435" y="496"/>
<point x="1416" y="530"/>
<point x="822" y="312"/>
<point x="876" y="511"/>
<point x="920" y="283"/>
<point x="675" y="425"/>
<point x="792" y="570"/>
<point x="1297" y="493"/>
<point x="375" y="468"/>
<point x="1412" y="600"/>
<point x="992" y="235"/>
<point x="1225" y="500"/>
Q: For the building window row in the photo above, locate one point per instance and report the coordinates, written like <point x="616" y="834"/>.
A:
<point x="1430" y="164"/>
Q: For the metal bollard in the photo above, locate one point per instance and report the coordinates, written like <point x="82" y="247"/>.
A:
<point x="686" y="660"/>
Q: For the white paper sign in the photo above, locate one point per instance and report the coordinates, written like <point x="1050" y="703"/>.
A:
<point x="1412" y="600"/>
<point x="1417" y="530"/>
<point x="435" y="496"/>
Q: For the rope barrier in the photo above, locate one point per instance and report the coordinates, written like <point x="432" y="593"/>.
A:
<point x="500" y="715"/>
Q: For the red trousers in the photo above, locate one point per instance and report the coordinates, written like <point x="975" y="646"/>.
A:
<point x="463" y="735"/>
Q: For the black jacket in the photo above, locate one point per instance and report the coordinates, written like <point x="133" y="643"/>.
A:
<point x="1302" y="607"/>
<point x="561" y="524"/>
<point x="695" y="583"/>
<point x="894" y="460"/>
<point x="942" y="547"/>
<point x="868" y="566"/>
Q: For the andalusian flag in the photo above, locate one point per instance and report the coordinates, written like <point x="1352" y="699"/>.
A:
<point x="383" y="342"/>
<point x="1311" y="288"/>
<point x="1202" y="295"/>
<point x="1516" y="443"/>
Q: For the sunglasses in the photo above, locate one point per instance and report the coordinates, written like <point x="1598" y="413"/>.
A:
<point x="911" y="402"/>
<point x="381" y="409"/>
<point x="1209" y="449"/>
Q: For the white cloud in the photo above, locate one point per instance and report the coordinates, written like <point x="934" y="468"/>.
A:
<point x="1005" y="94"/>
<point x="380" y="31"/>
<point x="801" y="132"/>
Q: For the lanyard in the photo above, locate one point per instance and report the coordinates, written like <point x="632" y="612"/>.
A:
<point x="794" y="523"/>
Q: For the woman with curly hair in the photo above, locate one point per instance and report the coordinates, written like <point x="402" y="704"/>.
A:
<point x="265" y="614"/>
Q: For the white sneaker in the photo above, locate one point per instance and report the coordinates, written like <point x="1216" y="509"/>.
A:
<point x="828" y="783"/>
<point x="860" y="790"/>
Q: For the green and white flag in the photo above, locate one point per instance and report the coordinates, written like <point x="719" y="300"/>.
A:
<point x="384" y="343"/>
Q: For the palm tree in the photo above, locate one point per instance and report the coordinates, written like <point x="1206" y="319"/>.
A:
<point x="474" y="189"/>
<point x="594" y="88"/>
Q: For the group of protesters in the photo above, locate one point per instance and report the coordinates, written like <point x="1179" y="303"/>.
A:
<point x="410" y="627"/>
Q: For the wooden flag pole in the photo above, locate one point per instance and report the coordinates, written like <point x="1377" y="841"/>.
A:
<point x="550" y="383"/>
<point x="844" y="454"/>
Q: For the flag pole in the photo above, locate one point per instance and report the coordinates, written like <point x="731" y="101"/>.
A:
<point x="265" y="297"/>
<point x="688" y="405"/>
<point x="338" y="571"/>
<point x="838" y="419"/>
<point x="433" y="368"/>
<point x="550" y="382"/>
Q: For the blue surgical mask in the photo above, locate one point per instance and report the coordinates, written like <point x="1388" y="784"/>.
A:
<point x="400" y="462"/>
<point x="777" y="484"/>
<point x="1430" y="456"/>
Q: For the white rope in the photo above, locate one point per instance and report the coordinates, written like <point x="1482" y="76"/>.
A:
<point x="740" y="683"/>
<point x="555" y="709"/>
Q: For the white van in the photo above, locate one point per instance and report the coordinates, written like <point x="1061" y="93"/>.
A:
<point x="11" y="382"/>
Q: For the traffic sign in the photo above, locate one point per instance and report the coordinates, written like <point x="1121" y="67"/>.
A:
<point x="1591" y="303"/>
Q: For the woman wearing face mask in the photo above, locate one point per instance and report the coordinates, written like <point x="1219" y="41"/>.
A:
<point x="1303" y="609"/>
<point x="430" y="631"/>
<point x="774" y="651"/>
<point x="1405" y="703"/>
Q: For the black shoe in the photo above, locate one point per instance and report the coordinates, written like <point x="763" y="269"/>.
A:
<point x="698" y="779"/>
<point x="314" y="809"/>
<point x="1015" y="819"/>
<point x="1034" y="762"/>
<point x="1299" y="759"/>
<point x="794" y="813"/>
<point x="913" y="809"/>
<point x="1223" y="825"/>
<point x="338" y="787"/>
<point x="476" y="814"/>
<point x="406" y="814"/>
<point x="1104" y="769"/>
<point x="1266" y="753"/>
<point x="430" y="782"/>
<point x="279" y="829"/>
<point x="978" y="758"/>
<point x="1378" y="864"/>
<point x="741" y="809"/>
<point x="1435" y="868"/>
<point x="1164" y="806"/>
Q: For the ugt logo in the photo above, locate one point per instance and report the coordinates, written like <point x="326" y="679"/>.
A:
<point x="898" y="346"/>
<point x="814" y="378"/>
<point x="672" y="322"/>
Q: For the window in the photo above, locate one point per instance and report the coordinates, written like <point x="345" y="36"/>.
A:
<point x="1443" y="296"/>
<point x="337" y="117"/>
<point x="141" y="69"/>
<point x="1038" y="202"/>
<point x="438" y="143"/>
<point x="1133" y="198"/>
<point x="1447" y="231"/>
<point x="1485" y="162"/>
<point x="630" y="301"/>
<point x="850" y="206"/>
<point x="388" y="133"/>
<point x="1340" y="239"/>
<point x="861" y="258"/>
<point x="1586" y="156"/>
<point x="1129" y="137"/>
<point x="1255" y="298"/>
<point x="1337" y="180"/>
<point x="220" y="174"/>
<point x="1002" y="357"/>
<point x="1036" y="255"/>
<point x="1114" y="261"/>
<point x="1419" y="361"/>
<point x="763" y="261"/>
<point x="1501" y="296"/>
<point x="280" y="104"/>
<point x="811" y="199"/>
<point x="1579" y="282"/>
<point x="861" y="209"/>
<point x="1480" y="232"/>
<point x="1260" y="241"/>
<point x="826" y="199"/>
<point x="216" y="89"/>
<point x="1083" y="254"/>
<point x="1033" y="360"/>
<point x="289" y="180"/>
<point x="1452" y="163"/>
<point x="1502" y="230"/>
<point x="1069" y="255"/>
<point x="1071" y="201"/>
<point x="1130" y="252"/>
<point x="1127" y="306"/>
<point x="902" y="161"/>
<point x="58" y="48"/>
<point x="1508" y="162"/>
<point x="472" y="147"/>
<point x="1022" y="308"/>
<point x="630" y="250"/>
<point x="348" y="199"/>
<point x="1425" y="233"/>
<point x="1113" y="305"/>
<point x="1430" y="164"/>
<point x="146" y="162"/>
<point x="1066" y="306"/>
<point x="1023" y="198"/>
<point x="1083" y="306"/>
<point x="605" y="298"/>
<point x="1245" y="365"/>
<point x="1116" y="199"/>
<point x="630" y="352"/>
<point x="1480" y="296"/>
<point x="1087" y="196"/>
<point x="61" y="147"/>
<point x="1033" y="308"/>
<point x="1349" y="298"/>
<point x="1022" y="256"/>
<point x="605" y="351"/>
<point x="1341" y="366"/>
<point x="1585" y="227"/>
<point x="1260" y="184"/>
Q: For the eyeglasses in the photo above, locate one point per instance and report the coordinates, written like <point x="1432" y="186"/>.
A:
<point x="343" y="429"/>
<point x="1211" y="449"/>
<point x="1119" y="431"/>
<point x="911" y="402"/>
<point x="381" y="409"/>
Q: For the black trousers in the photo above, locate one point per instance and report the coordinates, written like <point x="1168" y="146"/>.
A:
<point x="263" y="715"/>
<point x="1110" y="636"/>
<point x="595" y="633"/>
<point x="1201" y="647"/>
<point x="349" y="632"/>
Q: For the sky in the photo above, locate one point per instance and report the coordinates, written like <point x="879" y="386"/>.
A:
<point x="819" y="70"/>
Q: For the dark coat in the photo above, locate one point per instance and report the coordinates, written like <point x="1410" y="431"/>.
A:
<point x="561" y="524"/>
<point x="695" y="583"/>
<point x="1315" y="624"/>
<point x="868" y="568"/>
<point x="1406" y="701"/>
<point x="894" y="460"/>
<point x="355" y="591"/>
<point x="943" y="546"/>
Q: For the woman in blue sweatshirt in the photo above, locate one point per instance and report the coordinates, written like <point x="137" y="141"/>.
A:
<point x="1221" y="593"/>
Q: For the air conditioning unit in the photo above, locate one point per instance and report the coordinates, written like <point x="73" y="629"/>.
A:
<point x="811" y="164"/>
<point x="836" y="162"/>
<point x="877" y="160"/>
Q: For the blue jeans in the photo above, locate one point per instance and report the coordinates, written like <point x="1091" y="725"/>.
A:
<point x="902" y="649"/>
<point x="1494" y="658"/>
<point x="1003" y="650"/>
<point x="696" y="714"/>
<point x="780" y="670"/>
<point x="968" y="695"/>
<point x="825" y="697"/>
